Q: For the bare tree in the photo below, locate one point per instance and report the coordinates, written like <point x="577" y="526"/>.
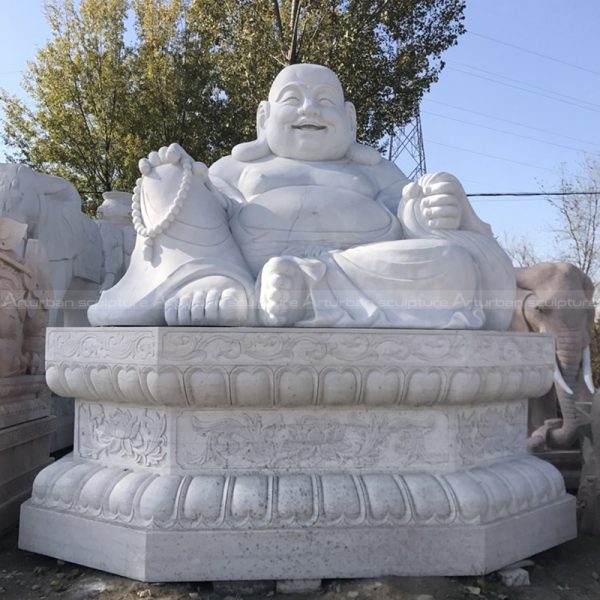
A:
<point x="578" y="232"/>
<point x="521" y="250"/>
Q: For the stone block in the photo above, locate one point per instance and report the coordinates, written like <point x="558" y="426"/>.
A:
<point x="24" y="451"/>
<point x="24" y="447"/>
<point x="23" y="398"/>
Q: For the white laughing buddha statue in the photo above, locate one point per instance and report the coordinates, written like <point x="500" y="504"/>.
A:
<point x="306" y="227"/>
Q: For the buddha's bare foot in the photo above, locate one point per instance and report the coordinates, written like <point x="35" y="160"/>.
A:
<point x="283" y="292"/>
<point x="209" y="301"/>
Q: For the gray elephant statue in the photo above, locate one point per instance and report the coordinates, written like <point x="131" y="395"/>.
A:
<point x="557" y="298"/>
<point x="51" y="208"/>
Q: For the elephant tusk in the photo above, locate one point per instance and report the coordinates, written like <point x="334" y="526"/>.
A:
<point x="587" y="369"/>
<point x="559" y="381"/>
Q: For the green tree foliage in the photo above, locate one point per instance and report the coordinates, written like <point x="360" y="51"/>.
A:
<point x="119" y="78"/>
<point x="387" y="53"/>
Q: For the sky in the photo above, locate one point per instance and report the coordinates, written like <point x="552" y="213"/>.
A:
<point x="517" y="105"/>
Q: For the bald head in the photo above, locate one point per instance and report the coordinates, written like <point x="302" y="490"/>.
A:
<point x="306" y="117"/>
<point x="310" y="75"/>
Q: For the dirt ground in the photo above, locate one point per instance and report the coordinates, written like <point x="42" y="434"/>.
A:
<point x="571" y="571"/>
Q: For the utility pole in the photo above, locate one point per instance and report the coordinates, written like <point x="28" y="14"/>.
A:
<point x="405" y="147"/>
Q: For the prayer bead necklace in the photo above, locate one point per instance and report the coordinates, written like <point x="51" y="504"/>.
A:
<point x="174" y="209"/>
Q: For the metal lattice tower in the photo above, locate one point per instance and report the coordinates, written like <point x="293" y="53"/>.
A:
<point x="405" y="147"/>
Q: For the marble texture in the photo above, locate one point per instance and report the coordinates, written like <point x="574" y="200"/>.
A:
<point x="306" y="227"/>
<point x="204" y="454"/>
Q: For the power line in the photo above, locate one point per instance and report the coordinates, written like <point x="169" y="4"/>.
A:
<point x="510" y="160"/>
<point x="517" y="87"/>
<point x="526" y="83"/>
<point x="525" y="137"/>
<point x="488" y="116"/>
<point x="540" y="54"/>
<point x="532" y="194"/>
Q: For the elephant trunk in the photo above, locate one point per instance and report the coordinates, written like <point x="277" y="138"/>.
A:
<point x="562" y="435"/>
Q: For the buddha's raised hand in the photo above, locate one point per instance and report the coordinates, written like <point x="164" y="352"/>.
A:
<point x="439" y="200"/>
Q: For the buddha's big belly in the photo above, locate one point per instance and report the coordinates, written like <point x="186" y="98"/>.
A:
<point x="286" y="220"/>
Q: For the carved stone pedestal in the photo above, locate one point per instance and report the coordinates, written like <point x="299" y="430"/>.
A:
<point x="231" y="454"/>
<point x="25" y="431"/>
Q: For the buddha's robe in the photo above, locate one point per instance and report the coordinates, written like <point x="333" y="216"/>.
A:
<point x="342" y="223"/>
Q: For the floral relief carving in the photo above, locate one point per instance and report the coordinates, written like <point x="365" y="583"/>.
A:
<point x="113" y="345"/>
<point x="492" y="431"/>
<point x="306" y="440"/>
<point x="138" y="435"/>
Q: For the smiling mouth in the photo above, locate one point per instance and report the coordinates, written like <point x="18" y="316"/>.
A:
<point x="309" y="127"/>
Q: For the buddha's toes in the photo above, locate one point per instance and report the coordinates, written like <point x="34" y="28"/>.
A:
<point x="283" y="292"/>
<point x="209" y="301"/>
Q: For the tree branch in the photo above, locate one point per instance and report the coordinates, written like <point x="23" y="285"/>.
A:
<point x="278" y="22"/>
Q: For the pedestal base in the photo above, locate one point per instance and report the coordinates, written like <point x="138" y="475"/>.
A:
<point x="296" y="525"/>
<point x="249" y="454"/>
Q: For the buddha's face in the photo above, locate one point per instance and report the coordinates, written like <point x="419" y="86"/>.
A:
<point x="306" y="117"/>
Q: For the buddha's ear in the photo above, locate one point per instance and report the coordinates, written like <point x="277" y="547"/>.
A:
<point x="351" y="115"/>
<point x="262" y="114"/>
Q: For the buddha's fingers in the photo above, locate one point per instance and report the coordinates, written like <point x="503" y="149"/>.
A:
<point x="145" y="166"/>
<point x="162" y="153"/>
<point x="154" y="159"/>
<point x="412" y="191"/>
<point x="440" y="212"/>
<point x="444" y="223"/>
<point x="439" y="200"/>
<point x="452" y="186"/>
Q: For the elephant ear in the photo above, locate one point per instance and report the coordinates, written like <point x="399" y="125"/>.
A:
<point x="59" y="217"/>
<point x="588" y="289"/>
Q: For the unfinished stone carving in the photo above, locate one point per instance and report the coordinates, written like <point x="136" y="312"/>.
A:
<point x="25" y="426"/>
<point x="24" y="294"/>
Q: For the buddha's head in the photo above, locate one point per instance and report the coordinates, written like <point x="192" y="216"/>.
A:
<point x="306" y="117"/>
